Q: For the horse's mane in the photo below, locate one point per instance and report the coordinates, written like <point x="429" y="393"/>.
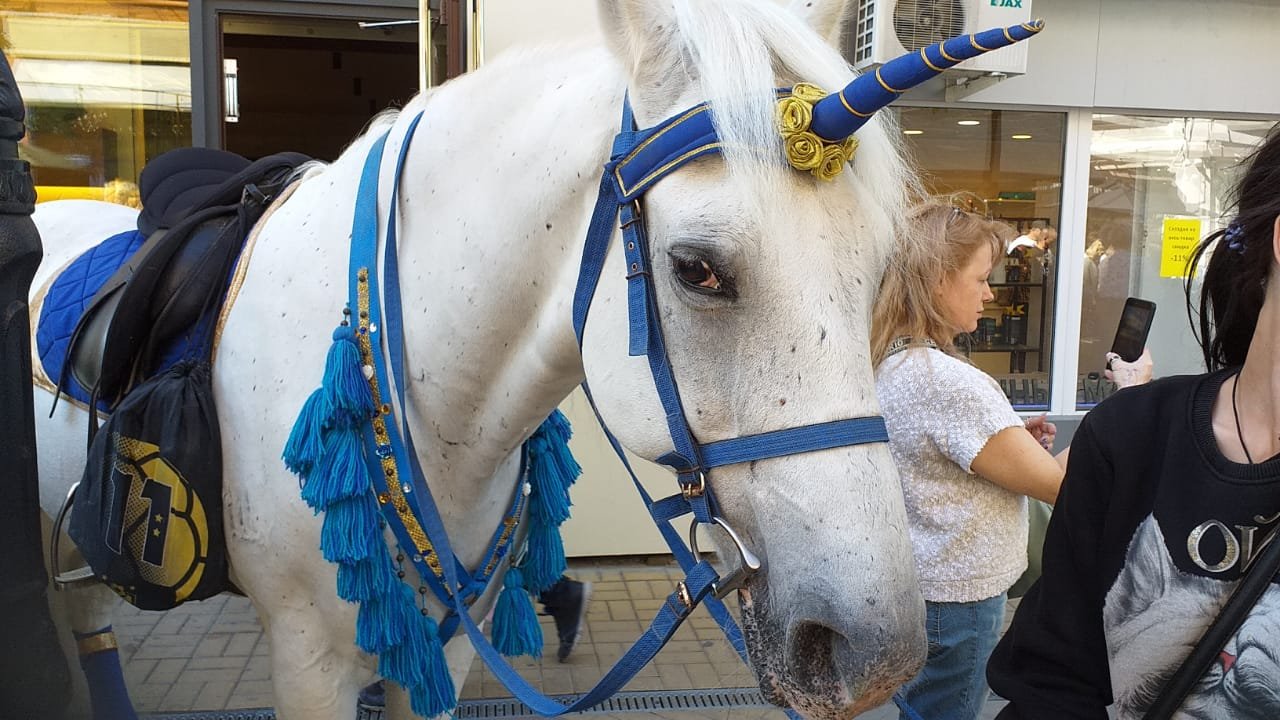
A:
<point x="738" y="48"/>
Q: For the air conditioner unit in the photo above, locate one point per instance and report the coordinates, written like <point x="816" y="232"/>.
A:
<point x="885" y="29"/>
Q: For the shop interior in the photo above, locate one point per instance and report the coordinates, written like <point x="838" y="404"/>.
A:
<point x="1007" y="165"/>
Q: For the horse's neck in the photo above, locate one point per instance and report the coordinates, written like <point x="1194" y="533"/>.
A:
<point x="497" y="194"/>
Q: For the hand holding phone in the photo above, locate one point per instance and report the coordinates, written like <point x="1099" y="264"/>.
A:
<point x="1127" y="374"/>
<point x="1135" y="325"/>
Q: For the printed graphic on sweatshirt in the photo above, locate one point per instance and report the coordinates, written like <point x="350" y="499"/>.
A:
<point x="1154" y="614"/>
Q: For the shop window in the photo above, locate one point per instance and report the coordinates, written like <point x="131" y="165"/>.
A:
<point x="107" y="86"/>
<point x="1010" y="164"/>
<point x="1156" y="186"/>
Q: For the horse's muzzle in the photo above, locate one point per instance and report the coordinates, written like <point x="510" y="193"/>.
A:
<point x="825" y="673"/>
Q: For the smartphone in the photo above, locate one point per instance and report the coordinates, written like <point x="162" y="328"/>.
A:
<point x="1135" y="324"/>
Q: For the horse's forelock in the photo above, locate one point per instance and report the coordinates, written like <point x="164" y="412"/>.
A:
<point x="740" y="49"/>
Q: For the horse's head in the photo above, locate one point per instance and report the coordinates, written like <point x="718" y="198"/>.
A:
<point x="764" y="279"/>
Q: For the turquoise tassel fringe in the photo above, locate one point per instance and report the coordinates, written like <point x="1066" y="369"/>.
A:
<point x="552" y="470"/>
<point x="549" y="503"/>
<point x="351" y="530"/>
<point x="436" y="694"/>
<point x="340" y="473"/>
<point x="346" y="388"/>
<point x="381" y="622"/>
<point x="306" y="440"/>
<point x="515" y="623"/>
<point x="326" y="450"/>
<point x="369" y="578"/>
<point x="544" y="564"/>
<point x="404" y="663"/>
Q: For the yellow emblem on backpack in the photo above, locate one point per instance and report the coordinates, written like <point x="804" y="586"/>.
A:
<point x="164" y="532"/>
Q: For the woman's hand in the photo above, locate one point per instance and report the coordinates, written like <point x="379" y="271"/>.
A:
<point x="1042" y="430"/>
<point x="1127" y="374"/>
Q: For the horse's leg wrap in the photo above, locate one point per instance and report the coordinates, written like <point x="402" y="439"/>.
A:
<point x="100" y="661"/>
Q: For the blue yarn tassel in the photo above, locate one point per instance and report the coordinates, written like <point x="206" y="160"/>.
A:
<point x="552" y="470"/>
<point x="549" y="499"/>
<point x="436" y="694"/>
<point x="558" y="425"/>
<point x="404" y="663"/>
<point x="341" y="472"/>
<point x="515" y="623"/>
<point x="557" y="430"/>
<point x="346" y="388"/>
<point x="351" y="531"/>
<point x="380" y="624"/>
<point x="366" y="579"/>
<point x="545" y="561"/>
<point x="306" y="441"/>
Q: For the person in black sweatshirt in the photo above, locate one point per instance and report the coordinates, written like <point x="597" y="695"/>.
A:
<point x="1171" y="491"/>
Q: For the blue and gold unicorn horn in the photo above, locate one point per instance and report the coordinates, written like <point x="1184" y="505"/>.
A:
<point x="818" y="128"/>
<point x="839" y="115"/>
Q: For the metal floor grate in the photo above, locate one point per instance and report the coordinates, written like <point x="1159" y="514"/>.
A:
<point x="623" y="702"/>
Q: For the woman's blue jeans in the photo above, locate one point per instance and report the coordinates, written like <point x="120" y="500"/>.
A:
<point x="953" y="683"/>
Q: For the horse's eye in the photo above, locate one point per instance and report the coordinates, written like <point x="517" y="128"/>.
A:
<point x="696" y="274"/>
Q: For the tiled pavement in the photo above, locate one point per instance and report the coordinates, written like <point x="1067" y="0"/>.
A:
<point x="211" y="655"/>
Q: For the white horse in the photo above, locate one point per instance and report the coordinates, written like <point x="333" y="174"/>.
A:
<point x="496" y="196"/>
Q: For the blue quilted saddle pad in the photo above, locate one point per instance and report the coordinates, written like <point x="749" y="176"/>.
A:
<point x="66" y="301"/>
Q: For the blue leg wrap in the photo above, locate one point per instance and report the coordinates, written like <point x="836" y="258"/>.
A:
<point x="100" y="661"/>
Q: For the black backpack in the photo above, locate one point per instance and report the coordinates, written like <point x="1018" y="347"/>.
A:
<point x="147" y="514"/>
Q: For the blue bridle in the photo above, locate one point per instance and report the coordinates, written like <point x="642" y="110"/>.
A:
<point x="639" y="160"/>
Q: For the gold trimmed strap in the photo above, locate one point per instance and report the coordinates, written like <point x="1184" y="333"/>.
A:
<point x="617" y="171"/>
<point x="883" y="84"/>
<point x="96" y="643"/>
<point x="925" y="58"/>
<point x="394" y="493"/>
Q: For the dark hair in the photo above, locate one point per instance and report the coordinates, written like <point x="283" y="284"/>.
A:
<point x="1235" y="279"/>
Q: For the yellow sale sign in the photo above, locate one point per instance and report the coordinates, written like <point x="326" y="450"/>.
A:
<point x="1178" y="242"/>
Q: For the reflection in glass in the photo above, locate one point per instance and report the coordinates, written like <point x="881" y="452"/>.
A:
<point x="1156" y="184"/>
<point x="107" y="86"/>
<point x="1010" y="163"/>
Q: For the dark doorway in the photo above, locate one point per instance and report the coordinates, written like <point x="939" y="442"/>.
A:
<point x="310" y="85"/>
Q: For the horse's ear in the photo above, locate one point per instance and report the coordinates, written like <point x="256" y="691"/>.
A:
<point x="639" y="34"/>
<point x="826" y="17"/>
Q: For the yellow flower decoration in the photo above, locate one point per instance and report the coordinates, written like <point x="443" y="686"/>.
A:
<point x="832" y="162"/>
<point x="805" y="150"/>
<point x="794" y="115"/>
<point x="808" y="92"/>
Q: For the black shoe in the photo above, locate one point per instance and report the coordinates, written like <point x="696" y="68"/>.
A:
<point x="566" y="602"/>
<point x="373" y="695"/>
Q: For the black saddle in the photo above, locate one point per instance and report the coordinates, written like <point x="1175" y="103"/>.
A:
<point x="198" y="207"/>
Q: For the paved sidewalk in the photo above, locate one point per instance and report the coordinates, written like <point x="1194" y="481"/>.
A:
<point x="211" y="655"/>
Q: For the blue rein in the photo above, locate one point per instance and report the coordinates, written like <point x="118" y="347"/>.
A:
<point x="639" y="159"/>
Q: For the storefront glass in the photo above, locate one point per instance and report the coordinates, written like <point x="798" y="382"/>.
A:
<point x="1010" y="164"/>
<point x="1156" y="186"/>
<point x="107" y="86"/>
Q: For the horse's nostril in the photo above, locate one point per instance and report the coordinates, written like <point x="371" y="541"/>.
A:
<point x="811" y="656"/>
<point x="824" y="663"/>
